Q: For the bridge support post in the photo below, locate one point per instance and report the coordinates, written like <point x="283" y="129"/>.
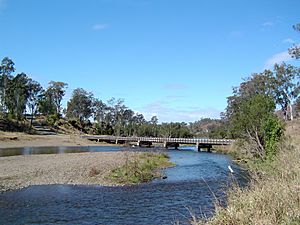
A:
<point x="176" y="145"/>
<point x="209" y="148"/>
<point x="198" y="147"/>
<point x="116" y="141"/>
<point x="138" y="143"/>
<point x="165" y="144"/>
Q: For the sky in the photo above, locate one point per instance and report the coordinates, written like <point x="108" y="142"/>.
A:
<point x="175" y="59"/>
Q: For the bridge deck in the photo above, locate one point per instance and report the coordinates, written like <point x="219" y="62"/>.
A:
<point x="197" y="141"/>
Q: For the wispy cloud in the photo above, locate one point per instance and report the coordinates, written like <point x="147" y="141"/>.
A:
<point x="288" y="40"/>
<point x="175" y="86"/>
<point x="99" y="26"/>
<point x="277" y="58"/>
<point x="268" y="24"/>
<point x="172" y="114"/>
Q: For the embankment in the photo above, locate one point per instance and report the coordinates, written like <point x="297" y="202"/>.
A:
<point x="273" y="196"/>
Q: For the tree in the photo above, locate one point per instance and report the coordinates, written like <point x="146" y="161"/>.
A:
<point x="57" y="91"/>
<point x="295" y="50"/>
<point x="80" y="105"/>
<point x="116" y="108"/>
<point x="286" y="87"/>
<point x="99" y="110"/>
<point x="138" y="120"/>
<point x="46" y="104"/>
<point x="154" y="122"/>
<point x="7" y="67"/>
<point x="99" y="113"/>
<point x="256" y="123"/>
<point x="258" y="84"/>
<point x="35" y="91"/>
<point x="297" y="106"/>
<point x="17" y="94"/>
<point x="128" y="121"/>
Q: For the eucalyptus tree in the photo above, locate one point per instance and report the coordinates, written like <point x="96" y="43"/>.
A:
<point x="297" y="106"/>
<point x="138" y="121"/>
<point x="17" y="94"/>
<point x="35" y="91"/>
<point x="115" y="114"/>
<point x="119" y="109"/>
<point x="99" y="115"/>
<point x="80" y="106"/>
<point x="57" y="91"/>
<point x="99" y="110"/>
<point x="7" y="67"/>
<point x="46" y="104"/>
<point x="287" y="87"/>
<point x="154" y="126"/>
<point x="128" y="122"/>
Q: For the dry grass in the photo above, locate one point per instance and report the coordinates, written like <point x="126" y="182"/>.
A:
<point x="144" y="168"/>
<point x="273" y="196"/>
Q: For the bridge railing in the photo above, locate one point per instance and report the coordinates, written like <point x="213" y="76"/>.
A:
<point x="162" y="140"/>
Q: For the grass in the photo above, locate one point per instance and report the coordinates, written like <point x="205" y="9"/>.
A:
<point x="144" y="168"/>
<point x="273" y="196"/>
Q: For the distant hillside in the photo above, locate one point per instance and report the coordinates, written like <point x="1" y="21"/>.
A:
<point x="205" y="127"/>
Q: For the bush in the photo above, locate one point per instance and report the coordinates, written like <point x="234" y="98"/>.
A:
<point x="143" y="169"/>
<point x="51" y="119"/>
<point x="273" y="130"/>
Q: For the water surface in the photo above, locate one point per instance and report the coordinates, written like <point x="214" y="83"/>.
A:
<point x="192" y="185"/>
<point x="56" y="150"/>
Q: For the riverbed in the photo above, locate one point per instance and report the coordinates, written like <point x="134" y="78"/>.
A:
<point x="193" y="186"/>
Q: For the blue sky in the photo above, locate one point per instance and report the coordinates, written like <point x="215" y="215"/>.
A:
<point x="177" y="59"/>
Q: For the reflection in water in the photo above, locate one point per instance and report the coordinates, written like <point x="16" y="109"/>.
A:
<point x="192" y="184"/>
<point x="55" y="150"/>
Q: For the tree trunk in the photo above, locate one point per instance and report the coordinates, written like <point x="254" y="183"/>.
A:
<point x="291" y="112"/>
<point x="31" y="119"/>
<point x="260" y="149"/>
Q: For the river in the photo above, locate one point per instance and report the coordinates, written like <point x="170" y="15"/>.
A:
<point x="191" y="187"/>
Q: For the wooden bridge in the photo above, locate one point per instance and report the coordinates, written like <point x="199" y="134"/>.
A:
<point x="167" y="142"/>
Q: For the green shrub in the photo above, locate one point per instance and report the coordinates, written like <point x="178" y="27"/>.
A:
<point x="273" y="130"/>
<point x="143" y="169"/>
<point x="51" y="119"/>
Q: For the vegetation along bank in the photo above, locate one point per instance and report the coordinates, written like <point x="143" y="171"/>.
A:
<point x="97" y="168"/>
<point x="269" y="146"/>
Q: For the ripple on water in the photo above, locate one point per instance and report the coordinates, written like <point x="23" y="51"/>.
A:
<point x="192" y="184"/>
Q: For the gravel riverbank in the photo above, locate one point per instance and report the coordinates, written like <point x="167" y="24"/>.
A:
<point x="75" y="168"/>
<point x="20" y="140"/>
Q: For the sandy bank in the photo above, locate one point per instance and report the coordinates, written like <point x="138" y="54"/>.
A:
<point x="75" y="168"/>
<point x="15" y="140"/>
